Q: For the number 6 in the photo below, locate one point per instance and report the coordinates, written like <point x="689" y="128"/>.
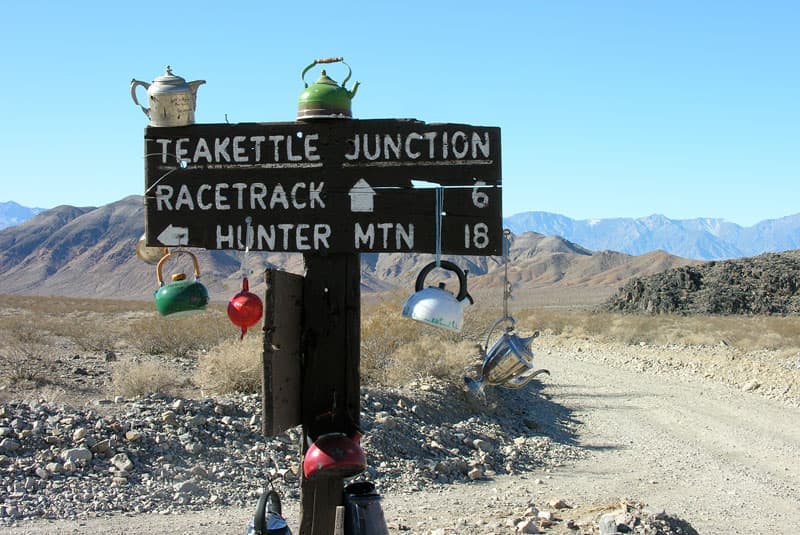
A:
<point x="479" y="198"/>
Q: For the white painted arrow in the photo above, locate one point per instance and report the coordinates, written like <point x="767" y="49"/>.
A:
<point x="361" y="195"/>
<point x="174" y="236"/>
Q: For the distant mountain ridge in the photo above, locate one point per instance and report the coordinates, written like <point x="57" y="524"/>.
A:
<point x="700" y="238"/>
<point x="89" y="252"/>
<point x="12" y="213"/>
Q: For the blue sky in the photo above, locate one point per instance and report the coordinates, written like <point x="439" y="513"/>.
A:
<point x="607" y="108"/>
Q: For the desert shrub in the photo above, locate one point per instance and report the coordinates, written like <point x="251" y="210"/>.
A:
<point x="383" y="331"/>
<point x="180" y="336"/>
<point x="233" y="366"/>
<point x="89" y="334"/>
<point x="46" y="305"/>
<point x="131" y="379"/>
<point x="395" y="349"/>
<point x="430" y="355"/>
<point x="23" y="362"/>
<point x="24" y="329"/>
<point x="743" y="332"/>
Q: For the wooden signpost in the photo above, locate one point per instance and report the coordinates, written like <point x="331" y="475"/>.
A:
<point x="330" y="189"/>
<point x="325" y="187"/>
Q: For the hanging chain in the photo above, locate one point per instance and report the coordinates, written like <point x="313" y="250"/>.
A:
<point x="506" y="283"/>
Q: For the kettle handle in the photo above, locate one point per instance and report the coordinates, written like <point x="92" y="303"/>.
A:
<point x="327" y="60"/>
<point x="164" y="259"/>
<point x="259" y="520"/>
<point x="462" y="278"/>
<point x="134" y="84"/>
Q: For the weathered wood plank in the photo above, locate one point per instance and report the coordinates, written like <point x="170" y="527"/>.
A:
<point x="283" y="305"/>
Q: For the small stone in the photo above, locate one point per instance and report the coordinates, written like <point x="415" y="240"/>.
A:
<point x="53" y="468"/>
<point x="122" y="462"/>
<point x="483" y="445"/>
<point x="101" y="446"/>
<point x="558" y="503"/>
<point x="168" y="417"/>
<point x="193" y="447"/>
<point x="527" y="526"/>
<point x="751" y="385"/>
<point x="198" y="471"/>
<point x="9" y="445"/>
<point x="189" y="487"/>
<point x="78" y="434"/>
<point x="607" y="524"/>
<point x="225" y="409"/>
<point x="76" y="455"/>
<point x="133" y="435"/>
<point x="475" y="474"/>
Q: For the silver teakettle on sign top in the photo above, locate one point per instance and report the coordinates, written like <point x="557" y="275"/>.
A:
<point x="172" y="99"/>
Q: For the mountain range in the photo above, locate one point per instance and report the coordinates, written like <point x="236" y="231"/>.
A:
<point x="12" y="213"/>
<point x="700" y="238"/>
<point x="90" y="252"/>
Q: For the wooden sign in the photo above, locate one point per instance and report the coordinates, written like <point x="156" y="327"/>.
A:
<point x="321" y="187"/>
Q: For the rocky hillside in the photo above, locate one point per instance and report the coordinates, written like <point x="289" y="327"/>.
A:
<point x="764" y="284"/>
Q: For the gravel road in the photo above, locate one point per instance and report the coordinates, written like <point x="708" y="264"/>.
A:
<point x="719" y="458"/>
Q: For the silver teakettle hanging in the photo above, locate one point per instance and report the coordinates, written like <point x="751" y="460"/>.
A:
<point x="172" y="99"/>
<point x="508" y="362"/>
<point x="437" y="306"/>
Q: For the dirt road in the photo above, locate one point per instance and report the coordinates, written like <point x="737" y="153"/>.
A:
<point x="722" y="459"/>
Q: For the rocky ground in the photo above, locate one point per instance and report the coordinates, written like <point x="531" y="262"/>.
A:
<point x="639" y="439"/>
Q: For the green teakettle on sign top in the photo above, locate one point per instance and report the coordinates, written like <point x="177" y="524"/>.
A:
<point x="181" y="295"/>
<point x="325" y="99"/>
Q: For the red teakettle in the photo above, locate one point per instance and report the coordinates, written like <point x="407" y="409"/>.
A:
<point x="245" y="308"/>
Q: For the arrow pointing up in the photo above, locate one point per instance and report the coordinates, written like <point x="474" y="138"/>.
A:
<point x="171" y="236"/>
<point x="361" y="195"/>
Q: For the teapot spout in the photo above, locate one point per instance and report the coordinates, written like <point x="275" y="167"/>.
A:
<point x="353" y="91"/>
<point x="193" y="87"/>
<point x="527" y="341"/>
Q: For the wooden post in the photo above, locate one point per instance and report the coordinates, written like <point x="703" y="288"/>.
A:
<point x="330" y="375"/>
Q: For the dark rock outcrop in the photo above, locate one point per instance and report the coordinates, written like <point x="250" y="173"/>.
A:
<point x="764" y="284"/>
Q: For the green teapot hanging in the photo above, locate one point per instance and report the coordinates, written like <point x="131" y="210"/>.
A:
<point x="182" y="295"/>
<point x="325" y="99"/>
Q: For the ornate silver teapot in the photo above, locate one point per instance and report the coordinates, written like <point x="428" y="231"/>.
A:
<point x="172" y="100"/>
<point x="508" y="363"/>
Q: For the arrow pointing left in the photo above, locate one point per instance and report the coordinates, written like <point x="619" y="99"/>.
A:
<point x="172" y="235"/>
